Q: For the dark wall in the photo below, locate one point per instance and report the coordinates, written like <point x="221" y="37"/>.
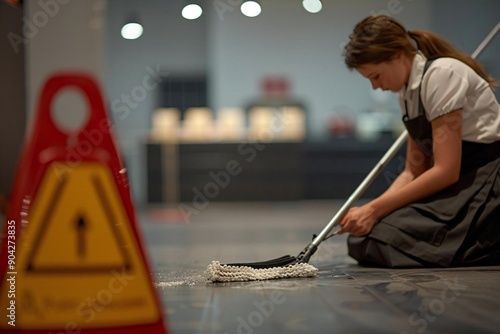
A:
<point x="12" y="94"/>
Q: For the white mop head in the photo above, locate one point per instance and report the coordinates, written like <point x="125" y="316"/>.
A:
<point x="217" y="272"/>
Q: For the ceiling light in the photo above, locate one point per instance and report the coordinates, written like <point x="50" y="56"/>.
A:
<point x="192" y="12"/>
<point x="312" y="6"/>
<point x="251" y="8"/>
<point x="132" y="30"/>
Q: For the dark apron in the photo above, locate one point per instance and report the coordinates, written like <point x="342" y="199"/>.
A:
<point x="457" y="226"/>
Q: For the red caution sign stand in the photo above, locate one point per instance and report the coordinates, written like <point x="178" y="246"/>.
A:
<point x="71" y="255"/>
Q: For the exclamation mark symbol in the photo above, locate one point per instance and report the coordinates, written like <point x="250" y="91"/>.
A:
<point x="81" y="227"/>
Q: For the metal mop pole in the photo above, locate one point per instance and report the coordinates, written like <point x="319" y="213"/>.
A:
<point x="306" y="254"/>
<point x="486" y="41"/>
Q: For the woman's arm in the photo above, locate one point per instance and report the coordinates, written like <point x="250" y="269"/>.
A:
<point x="416" y="163"/>
<point x="414" y="185"/>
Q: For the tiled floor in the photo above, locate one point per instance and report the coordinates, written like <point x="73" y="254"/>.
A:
<point x="343" y="298"/>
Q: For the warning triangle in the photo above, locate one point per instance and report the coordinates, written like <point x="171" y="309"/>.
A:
<point x="78" y="212"/>
<point x="79" y="255"/>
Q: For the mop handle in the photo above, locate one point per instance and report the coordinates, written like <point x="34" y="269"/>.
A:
<point x="486" y="41"/>
<point x="384" y="161"/>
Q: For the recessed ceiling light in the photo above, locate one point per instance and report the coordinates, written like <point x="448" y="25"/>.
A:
<point x="132" y="30"/>
<point x="192" y="12"/>
<point x="312" y="6"/>
<point x="251" y="8"/>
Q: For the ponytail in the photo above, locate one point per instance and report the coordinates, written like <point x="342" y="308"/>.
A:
<point x="433" y="46"/>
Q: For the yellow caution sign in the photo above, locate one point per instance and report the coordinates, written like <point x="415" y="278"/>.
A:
<point x="79" y="258"/>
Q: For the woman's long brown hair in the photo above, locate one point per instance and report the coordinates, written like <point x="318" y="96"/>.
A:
<point x="378" y="38"/>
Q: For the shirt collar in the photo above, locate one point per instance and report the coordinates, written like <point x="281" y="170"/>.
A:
<point x="417" y="68"/>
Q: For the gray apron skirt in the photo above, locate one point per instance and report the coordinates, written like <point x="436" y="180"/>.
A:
<point x="458" y="226"/>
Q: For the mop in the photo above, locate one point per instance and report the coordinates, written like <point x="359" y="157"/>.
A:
<point x="297" y="266"/>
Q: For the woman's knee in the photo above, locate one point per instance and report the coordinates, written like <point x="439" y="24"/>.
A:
<point x="366" y="251"/>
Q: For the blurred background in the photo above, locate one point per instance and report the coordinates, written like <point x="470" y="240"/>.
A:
<point x="215" y="104"/>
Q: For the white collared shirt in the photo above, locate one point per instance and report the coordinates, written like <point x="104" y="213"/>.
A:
<point x="449" y="85"/>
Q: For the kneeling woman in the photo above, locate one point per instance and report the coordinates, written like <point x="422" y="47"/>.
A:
<point x="444" y="208"/>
